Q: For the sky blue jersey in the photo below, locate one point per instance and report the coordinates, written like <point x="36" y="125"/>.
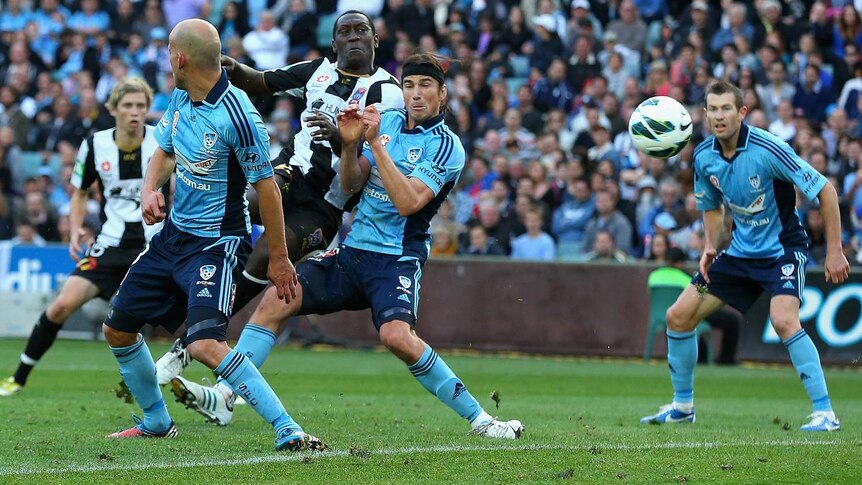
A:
<point x="757" y="186"/>
<point x="220" y="144"/>
<point x="431" y="153"/>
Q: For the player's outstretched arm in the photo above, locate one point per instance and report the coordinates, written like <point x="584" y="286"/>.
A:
<point x="352" y="172"/>
<point x="159" y="171"/>
<point x="77" y="211"/>
<point x="836" y="266"/>
<point x="244" y="77"/>
<point x="713" y="223"/>
<point x="409" y="195"/>
<point x="280" y="272"/>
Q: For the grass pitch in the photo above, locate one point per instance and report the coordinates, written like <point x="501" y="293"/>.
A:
<point x="581" y="418"/>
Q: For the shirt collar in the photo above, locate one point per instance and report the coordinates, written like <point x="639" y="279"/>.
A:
<point x="741" y="142"/>
<point x="216" y="92"/>
<point x="425" y="126"/>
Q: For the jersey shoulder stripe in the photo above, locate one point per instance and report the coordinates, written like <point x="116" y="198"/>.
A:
<point x="446" y="146"/>
<point x="776" y="150"/>
<point x="239" y="119"/>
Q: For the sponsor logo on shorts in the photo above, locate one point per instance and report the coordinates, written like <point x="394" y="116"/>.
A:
<point x="789" y="286"/>
<point x="405" y="281"/>
<point x="787" y="271"/>
<point x="205" y="283"/>
<point x="404" y="298"/>
<point x="207" y="271"/>
<point x="205" y="293"/>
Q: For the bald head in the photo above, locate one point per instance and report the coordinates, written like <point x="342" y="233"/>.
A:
<point x="199" y="42"/>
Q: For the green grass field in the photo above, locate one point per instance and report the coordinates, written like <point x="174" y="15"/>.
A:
<point x="581" y="417"/>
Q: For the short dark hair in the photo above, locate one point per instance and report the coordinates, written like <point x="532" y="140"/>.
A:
<point x="370" y="22"/>
<point x="723" y="87"/>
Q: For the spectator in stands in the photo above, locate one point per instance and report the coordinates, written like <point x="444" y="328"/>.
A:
<point x="570" y="219"/>
<point x="546" y="44"/>
<point x="176" y="11"/>
<point x="604" y="249"/>
<point x="658" y="247"/>
<point x="11" y="115"/>
<point x="122" y="24"/>
<point x="39" y="215"/>
<point x="14" y="17"/>
<point x="7" y="228"/>
<point x="234" y="22"/>
<point x="443" y="241"/>
<point x="20" y="64"/>
<point x="301" y="26"/>
<point x="516" y="34"/>
<point x="816" y="229"/>
<point x="811" y="97"/>
<point x="26" y="234"/>
<point x="583" y="64"/>
<point x="60" y="125"/>
<point x="776" y="90"/>
<point x="413" y="20"/>
<point x="480" y="244"/>
<point x="535" y="244"/>
<point x="848" y="28"/>
<point x="738" y="25"/>
<point x="784" y="126"/>
<point x="669" y="203"/>
<point x="630" y="30"/>
<point x="553" y="91"/>
<point x="90" y="20"/>
<point x="608" y="218"/>
<point x="267" y="44"/>
<point x="498" y="229"/>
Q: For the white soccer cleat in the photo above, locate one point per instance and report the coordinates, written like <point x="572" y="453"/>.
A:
<point x="669" y="414"/>
<point x="494" y="428"/>
<point x="821" y="421"/>
<point x="173" y="363"/>
<point x="207" y="401"/>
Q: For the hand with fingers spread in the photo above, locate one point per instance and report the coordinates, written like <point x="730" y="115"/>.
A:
<point x="152" y="206"/>
<point x="706" y="262"/>
<point x="836" y="267"/>
<point x="350" y="126"/>
<point x="282" y="274"/>
<point x="371" y="120"/>
<point x="326" y="129"/>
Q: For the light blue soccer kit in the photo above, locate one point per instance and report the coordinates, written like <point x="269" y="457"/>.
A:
<point x="768" y="249"/>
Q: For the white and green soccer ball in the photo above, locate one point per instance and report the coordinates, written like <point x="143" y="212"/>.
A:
<point x="660" y="127"/>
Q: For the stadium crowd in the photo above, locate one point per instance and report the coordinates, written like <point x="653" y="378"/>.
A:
<point x="540" y="92"/>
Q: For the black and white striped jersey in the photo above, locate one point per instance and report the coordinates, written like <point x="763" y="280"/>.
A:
<point x="327" y="91"/>
<point x="120" y="176"/>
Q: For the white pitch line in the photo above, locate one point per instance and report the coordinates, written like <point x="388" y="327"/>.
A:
<point x="293" y="457"/>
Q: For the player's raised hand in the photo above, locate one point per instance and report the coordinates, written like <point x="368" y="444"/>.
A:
<point x="371" y="120"/>
<point x="350" y="127"/>
<point x="76" y="239"/>
<point x="326" y="129"/>
<point x="706" y="262"/>
<point x="282" y="274"/>
<point x="152" y="206"/>
<point x="836" y="266"/>
<point x="228" y="63"/>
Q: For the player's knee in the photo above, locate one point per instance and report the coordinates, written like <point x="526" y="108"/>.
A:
<point x="118" y="338"/>
<point x="206" y="352"/>
<point x="60" y="310"/>
<point x="785" y="325"/>
<point x="397" y="337"/>
<point x="678" y="320"/>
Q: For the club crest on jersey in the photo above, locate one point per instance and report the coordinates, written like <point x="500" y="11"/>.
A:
<point x="357" y="95"/>
<point x="413" y="154"/>
<point x="207" y="271"/>
<point x="714" y="181"/>
<point x="754" y="180"/>
<point x="210" y="140"/>
<point x="384" y="139"/>
<point x="405" y="281"/>
<point x="106" y="166"/>
<point x="787" y="269"/>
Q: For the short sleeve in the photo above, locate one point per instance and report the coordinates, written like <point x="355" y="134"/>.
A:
<point x="84" y="173"/>
<point x="166" y="126"/>
<point x="441" y="164"/>
<point x="788" y="166"/>
<point x="249" y="140"/>
<point x="707" y="196"/>
<point x="290" y="77"/>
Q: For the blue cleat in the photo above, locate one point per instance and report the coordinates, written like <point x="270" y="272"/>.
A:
<point x="821" y="421"/>
<point x="299" y="441"/>
<point x="669" y="414"/>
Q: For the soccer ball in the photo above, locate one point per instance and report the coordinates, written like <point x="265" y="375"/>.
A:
<point x="660" y="127"/>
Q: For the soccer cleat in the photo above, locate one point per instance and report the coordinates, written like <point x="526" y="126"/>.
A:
<point x="138" y="431"/>
<point x="173" y="363"/>
<point x="821" y="421"/>
<point x="299" y="441"/>
<point x="207" y="401"/>
<point x="8" y="387"/>
<point x="494" y="428"/>
<point x="669" y="414"/>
